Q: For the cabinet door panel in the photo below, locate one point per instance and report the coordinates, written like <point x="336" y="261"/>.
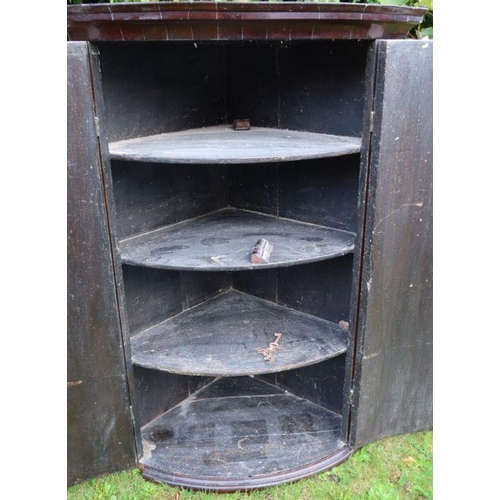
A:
<point x="100" y="433"/>
<point x="393" y="366"/>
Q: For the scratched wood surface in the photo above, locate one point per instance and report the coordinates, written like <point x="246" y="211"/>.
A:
<point x="157" y="392"/>
<point x="239" y="21"/>
<point x="162" y="87"/>
<point x="224" y="240"/>
<point x="186" y="82"/>
<point x="154" y="295"/>
<point x="159" y="87"/>
<point x="152" y="195"/>
<point x="100" y="431"/>
<point x="393" y="378"/>
<point x="321" y="289"/>
<point x="223" y="336"/>
<point x="321" y="383"/>
<point x="298" y="86"/>
<point x="149" y="196"/>
<point x="239" y="431"/>
<point x="224" y="145"/>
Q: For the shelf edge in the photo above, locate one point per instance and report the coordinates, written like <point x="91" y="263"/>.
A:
<point x="234" y="485"/>
<point x="266" y="371"/>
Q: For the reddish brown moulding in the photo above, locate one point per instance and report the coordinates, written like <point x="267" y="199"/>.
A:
<point x="234" y="485"/>
<point x="239" y="21"/>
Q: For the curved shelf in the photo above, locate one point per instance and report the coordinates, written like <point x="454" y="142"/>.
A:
<point x="222" y="337"/>
<point x="223" y="145"/>
<point x="241" y="434"/>
<point x="224" y="240"/>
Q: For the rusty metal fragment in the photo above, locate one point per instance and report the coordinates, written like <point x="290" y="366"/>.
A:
<point x="344" y="324"/>
<point x="273" y="346"/>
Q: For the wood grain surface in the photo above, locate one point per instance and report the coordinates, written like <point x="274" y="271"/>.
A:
<point x="239" y="431"/>
<point x="100" y="431"/>
<point x="393" y="380"/>
<point x="223" y="337"/>
<point x="239" y="21"/>
<point x="224" y="240"/>
<point x="224" y="145"/>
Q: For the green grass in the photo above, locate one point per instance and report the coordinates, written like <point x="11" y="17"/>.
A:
<point x="391" y="469"/>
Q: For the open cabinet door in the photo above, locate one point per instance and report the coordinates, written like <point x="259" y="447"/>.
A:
<point x="100" y="430"/>
<point x="392" y="386"/>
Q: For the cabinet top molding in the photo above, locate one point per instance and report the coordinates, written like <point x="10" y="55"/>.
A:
<point x="196" y="21"/>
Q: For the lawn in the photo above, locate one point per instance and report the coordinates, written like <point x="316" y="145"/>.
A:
<point x="391" y="469"/>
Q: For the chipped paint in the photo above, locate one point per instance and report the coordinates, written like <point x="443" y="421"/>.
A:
<point x="76" y="382"/>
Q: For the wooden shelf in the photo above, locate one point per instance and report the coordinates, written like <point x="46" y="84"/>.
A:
<point x="224" y="240"/>
<point x="241" y="432"/>
<point x="222" y="336"/>
<point x="223" y="145"/>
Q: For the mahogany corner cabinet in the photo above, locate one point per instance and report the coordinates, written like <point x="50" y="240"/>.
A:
<point x="196" y="130"/>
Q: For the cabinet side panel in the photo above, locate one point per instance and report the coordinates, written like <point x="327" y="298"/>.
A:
<point x="393" y="374"/>
<point x="100" y="433"/>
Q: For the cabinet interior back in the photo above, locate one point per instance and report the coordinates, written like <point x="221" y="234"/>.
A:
<point x="157" y="88"/>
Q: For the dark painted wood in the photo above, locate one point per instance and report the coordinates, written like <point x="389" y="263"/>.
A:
<point x="254" y="187"/>
<point x="223" y="337"/>
<point x="322" y="87"/>
<point x="228" y="387"/>
<point x="154" y="295"/>
<point x="252" y="88"/>
<point x="321" y="383"/>
<point x="224" y="145"/>
<point x="156" y="88"/>
<point x="241" y="440"/>
<point x="370" y="73"/>
<point x="239" y="21"/>
<point x="262" y="284"/>
<point x="231" y="486"/>
<point x="393" y="378"/>
<point x="198" y="287"/>
<point x="149" y="196"/>
<point x="158" y="392"/>
<point x="323" y="192"/>
<point x="224" y="240"/>
<point x="168" y="87"/>
<point x="317" y="87"/>
<point x="321" y="289"/>
<point x="100" y="108"/>
<point x="100" y="431"/>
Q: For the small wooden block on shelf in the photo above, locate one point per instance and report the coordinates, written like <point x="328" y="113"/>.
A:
<point x="223" y="241"/>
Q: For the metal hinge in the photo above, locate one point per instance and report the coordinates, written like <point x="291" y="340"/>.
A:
<point x="97" y="127"/>
<point x="372" y="116"/>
